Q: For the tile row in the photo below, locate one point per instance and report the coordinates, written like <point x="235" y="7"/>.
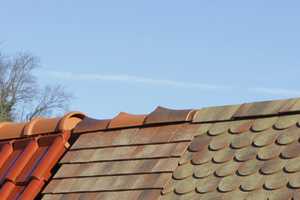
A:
<point x="233" y="181"/>
<point x="266" y="108"/>
<point x="243" y="154"/>
<point x="175" y="149"/>
<point x="283" y="193"/>
<point x="124" y="120"/>
<point x="108" y="183"/>
<point x="254" y="125"/>
<point x="137" y="136"/>
<point x="236" y="141"/>
<point x="122" y="195"/>
<point x="117" y="168"/>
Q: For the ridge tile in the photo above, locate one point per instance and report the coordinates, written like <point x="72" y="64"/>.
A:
<point x="259" y="108"/>
<point x="221" y="113"/>
<point x="164" y="115"/>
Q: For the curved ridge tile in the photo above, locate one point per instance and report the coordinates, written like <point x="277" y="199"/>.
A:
<point x="286" y="121"/>
<point x="220" y="113"/>
<point x="9" y="130"/>
<point x="266" y="137"/>
<point x="221" y="141"/>
<point x="184" y="171"/>
<point x="205" y="169"/>
<point x="90" y="124"/>
<point x="127" y="120"/>
<point x="42" y="125"/>
<point x="274" y="165"/>
<point x="224" y="155"/>
<point x="200" y="142"/>
<point x="253" y="181"/>
<point x="289" y="135"/>
<point x="230" y="183"/>
<point x="249" y="167"/>
<point x="262" y="124"/>
<point x="240" y="126"/>
<point x="187" y="185"/>
<point x="259" y="108"/>
<point x="203" y="129"/>
<point x="164" y="115"/>
<point x="291" y="150"/>
<point x="70" y="120"/>
<point x="277" y="180"/>
<point x="246" y="153"/>
<point x="244" y="139"/>
<point x="208" y="184"/>
<point x="219" y="127"/>
<point x="293" y="165"/>
<point x="203" y="156"/>
<point x="295" y="180"/>
<point x="271" y="151"/>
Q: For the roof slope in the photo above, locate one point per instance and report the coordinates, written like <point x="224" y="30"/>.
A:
<point x="128" y="163"/>
<point x="231" y="152"/>
<point x="29" y="151"/>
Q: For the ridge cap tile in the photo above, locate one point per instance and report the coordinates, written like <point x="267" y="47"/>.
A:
<point x="126" y="120"/>
<point x="261" y="108"/>
<point x="165" y="115"/>
<point x="217" y="113"/>
<point x="40" y="125"/>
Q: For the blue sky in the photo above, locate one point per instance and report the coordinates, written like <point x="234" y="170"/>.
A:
<point x="133" y="56"/>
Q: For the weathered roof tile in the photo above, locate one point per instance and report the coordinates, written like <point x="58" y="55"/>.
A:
<point x="164" y="115"/>
<point x="126" y="120"/>
<point x="259" y="108"/>
<point x="232" y="152"/>
<point x="221" y="113"/>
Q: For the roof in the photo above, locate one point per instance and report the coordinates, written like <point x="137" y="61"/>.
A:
<point x="247" y="151"/>
<point x="29" y="151"/>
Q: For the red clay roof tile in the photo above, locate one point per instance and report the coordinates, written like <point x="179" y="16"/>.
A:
<point x="126" y="120"/>
<point x="89" y="124"/>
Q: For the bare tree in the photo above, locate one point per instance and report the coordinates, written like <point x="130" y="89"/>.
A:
<point x="21" y="98"/>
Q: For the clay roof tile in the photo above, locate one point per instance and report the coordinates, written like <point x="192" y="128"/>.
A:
<point x="164" y="115"/>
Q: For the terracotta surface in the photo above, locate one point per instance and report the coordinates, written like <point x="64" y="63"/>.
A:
<point x="27" y="160"/>
<point x="26" y="164"/>
<point x="126" y="120"/>
<point x="40" y="125"/>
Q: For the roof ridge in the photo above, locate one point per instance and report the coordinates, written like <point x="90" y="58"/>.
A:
<point x="40" y="125"/>
<point x="248" y="110"/>
<point x="160" y="115"/>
